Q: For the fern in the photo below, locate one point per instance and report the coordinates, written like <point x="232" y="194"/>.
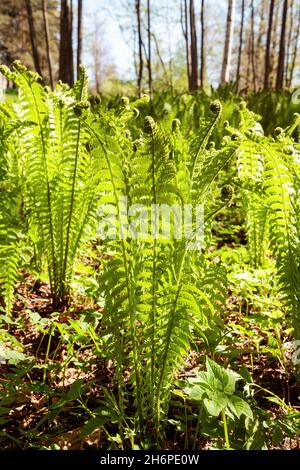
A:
<point x="152" y="302"/>
<point x="60" y="177"/>
<point x="250" y="170"/>
<point x="269" y="178"/>
<point x="283" y="228"/>
<point x="11" y="226"/>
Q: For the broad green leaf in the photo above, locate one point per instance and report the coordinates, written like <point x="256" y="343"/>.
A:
<point x="239" y="407"/>
<point x="93" y="424"/>
<point x="215" y="403"/>
<point x="75" y="390"/>
<point x="195" y="393"/>
<point x="226" y="377"/>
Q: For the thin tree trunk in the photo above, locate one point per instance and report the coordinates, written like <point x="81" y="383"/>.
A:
<point x="203" y="61"/>
<point x="79" y="35"/>
<point x="71" y="43"/>
<point x="268" y="46"/>
<point x="274" y="51"/>
<point x="140" y="46"/>
<point x="33" y="38"/>
<point x="260" y="46"/>
<point x="289" y="44"/>
<point x="185" y="32"/>
<point x="281" y="60"/>
<point x="165" y="70"/>
<point x="225" y="73"/>
<point x="194" y="49"/>
<point x="97" y="66"/>
<point x="47" y="38"/>
<point x="294" y="56"/>
<point x="238" y="71"/>
<point x="149" y="61"/>
<point x="253" y="46"/>
<point x="23" y="27"/>
<point x="66" y="68"/>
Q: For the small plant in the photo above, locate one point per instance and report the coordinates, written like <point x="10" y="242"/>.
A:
<point x="215" y="391"/>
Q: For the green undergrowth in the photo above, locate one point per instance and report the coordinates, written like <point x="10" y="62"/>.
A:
<point x="133" y="342"/>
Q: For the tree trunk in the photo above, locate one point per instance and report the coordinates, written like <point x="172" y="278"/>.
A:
<point x="47" y="38"/>
<point x="66" y="67"/>
<point x="273" y="47"/>
<point x="185" y="32"/>
<point x="260" y="46"/>
<point x="79" y="36"/>
<point x="161" y="60"/>
<point x="203" y="61"/>
<point x="33" y="38"/>
<point x="238" y="71"/>
<point x="140" y="46"/>
<point x="294" y="55"/>
<point x="248" y="61"/>
<point x="225" y="74"/>
<point x="71" y="43"/>
<point x="281" y="60"/>
<point x="268" y="46"/>
<point x="289" y="44"/>
<point x="194" y="49"/>
<point x="253" y="47"/>
<point x="149" y="58"/>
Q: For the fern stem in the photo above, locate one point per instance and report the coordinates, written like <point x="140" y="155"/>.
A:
<point x="154" y="299"/>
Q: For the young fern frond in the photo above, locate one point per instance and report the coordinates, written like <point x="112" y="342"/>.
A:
<point x="250" y="172"/>
<point x="279" y="187"/>
<point x="11" y="225"/>
<point x="198" y="154"/>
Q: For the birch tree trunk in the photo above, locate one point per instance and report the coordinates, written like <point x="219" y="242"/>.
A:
<point x="225" y="73"/>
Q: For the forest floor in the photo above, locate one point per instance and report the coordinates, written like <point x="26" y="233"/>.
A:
<point x="32" y="389"/>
